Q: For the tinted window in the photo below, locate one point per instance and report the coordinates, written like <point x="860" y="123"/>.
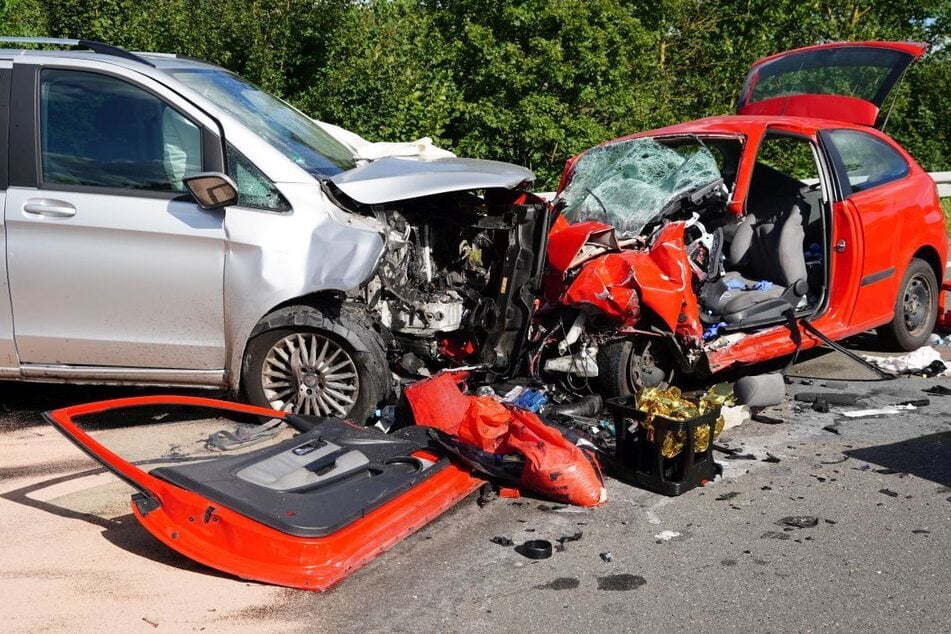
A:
<point x="254" y="188"/>
<point x="868" y="161"/>
<point x="101" y="131"/>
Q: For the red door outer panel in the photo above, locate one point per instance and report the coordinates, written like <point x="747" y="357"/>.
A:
<point x="215" y="536"/>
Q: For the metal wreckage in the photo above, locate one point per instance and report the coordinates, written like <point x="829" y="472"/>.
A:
<point x="534" y="343"/>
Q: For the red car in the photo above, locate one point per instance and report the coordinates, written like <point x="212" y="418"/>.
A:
<point x="693" y="246"/>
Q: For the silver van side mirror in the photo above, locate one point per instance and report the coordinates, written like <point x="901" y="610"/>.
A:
<point x="212" y="190"/>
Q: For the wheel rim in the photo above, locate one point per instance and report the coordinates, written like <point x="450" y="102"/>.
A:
<point x="646" y="368"/>
<point x="307" y="373"/>
<point x="916" y="305"/>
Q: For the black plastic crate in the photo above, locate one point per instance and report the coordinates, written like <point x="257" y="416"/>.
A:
<point x="639" y="461"/>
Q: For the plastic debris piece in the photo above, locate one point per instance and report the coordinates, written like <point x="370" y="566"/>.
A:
<point x="502" y="541"/>
<point x="727" y="496"/>
<point x="880" y="411"/>
<point x="938" y="390"/>
<point x="606" y="556"/>
<point x="759" y="417"/>
<point x="535" y="549"/>
<point x="531" y="400"/>
<point x="510" y="493"/>
<point x="771" y="458"/>
<point x="799" y="521"/>
<point x="564" y="539"/>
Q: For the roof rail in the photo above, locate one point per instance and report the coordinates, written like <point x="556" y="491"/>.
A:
<point x="91" y="45"/>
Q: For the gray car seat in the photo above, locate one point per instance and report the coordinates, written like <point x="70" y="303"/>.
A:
<point x="767" y="271"/>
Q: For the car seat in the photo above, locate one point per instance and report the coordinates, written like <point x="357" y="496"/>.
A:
<point x="766" y="271"/>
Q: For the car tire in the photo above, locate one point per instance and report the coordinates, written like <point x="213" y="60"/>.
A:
<point x="916" y="309"/>
<point x="322" y="361"/>
<point x="626" y="365"/>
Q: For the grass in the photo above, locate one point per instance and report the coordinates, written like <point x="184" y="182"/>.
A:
<point x="946" y="208"/>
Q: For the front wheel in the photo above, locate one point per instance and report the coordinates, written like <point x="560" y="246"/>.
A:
<point x="321" y="362"/>
<point x="916" y="309"/>
<point x="626" y="365"/>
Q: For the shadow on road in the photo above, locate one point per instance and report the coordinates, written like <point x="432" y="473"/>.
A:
<point x="925" y="457"/>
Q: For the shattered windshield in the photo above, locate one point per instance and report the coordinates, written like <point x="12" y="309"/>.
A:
<point x="284" y="127"/>
<point x="626" y="184"/>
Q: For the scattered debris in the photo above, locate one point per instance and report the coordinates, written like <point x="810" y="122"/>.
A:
<point x="666" y="536"/>
<point x="888" y="492"/>
<point x="561" y="583"/>
<point x="564" y="539"/>
<point x="916" y="402"/>
<point x="832" y="428"/>
<point x="924" y="361"/>
<point x="502" y="541"/>
<point x="759" y="417"/>
<point x="535" y="549"/>
<point x="771" y="458"/>
<point x="820" y="406"/>
<point x="727" y="496"/>
<point x="621" y="582"/>
<point x="799" y="521"/>
<point x="938" y="390"/>
<point x="606" y="556"/>
<point x="880" y="411"/>
<point x="487" y="493"/>
<point x="150" y="622"/>
<point x="741" y="456"/>
<point x="831" y="398"/>
<point x="921" y="531"/>
<point x="775" y="535"/>
<point x="830" y="522"/>
<point x="510" y="493"/>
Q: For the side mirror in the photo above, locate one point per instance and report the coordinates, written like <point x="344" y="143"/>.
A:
<point x="212" y="190"/>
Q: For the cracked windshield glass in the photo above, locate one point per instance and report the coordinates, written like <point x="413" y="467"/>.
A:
<point x="627" y="184"/>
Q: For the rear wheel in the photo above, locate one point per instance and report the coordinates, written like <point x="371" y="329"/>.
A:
<point x="322" y="362"/>
<point x="626" y="365"/>
<point x="916" y="309"/>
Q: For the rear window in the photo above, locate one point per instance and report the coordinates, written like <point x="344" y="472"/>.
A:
<point x="869" y="161"/>
<point x="863" y="72"/>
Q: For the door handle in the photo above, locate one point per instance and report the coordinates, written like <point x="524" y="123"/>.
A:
<point x="49" y="208"/>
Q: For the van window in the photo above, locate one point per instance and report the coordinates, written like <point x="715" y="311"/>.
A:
<point x="101" y="131"/>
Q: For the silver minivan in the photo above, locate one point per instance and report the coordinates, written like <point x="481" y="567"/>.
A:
<point x="165" y="222"/>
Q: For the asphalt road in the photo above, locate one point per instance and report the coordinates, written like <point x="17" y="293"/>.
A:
<point x="877" y="560"/>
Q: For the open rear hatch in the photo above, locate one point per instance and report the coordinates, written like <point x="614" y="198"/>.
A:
<point x="840" y="81"/>
<point x="304" y="513"/>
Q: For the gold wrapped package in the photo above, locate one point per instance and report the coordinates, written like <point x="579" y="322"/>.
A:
<point x="670" y="403"/>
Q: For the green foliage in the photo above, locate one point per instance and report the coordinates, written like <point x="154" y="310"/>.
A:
<point x="528" y="81"/>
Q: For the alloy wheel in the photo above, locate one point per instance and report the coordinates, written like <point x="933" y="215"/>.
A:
<point x="308" y="373"/>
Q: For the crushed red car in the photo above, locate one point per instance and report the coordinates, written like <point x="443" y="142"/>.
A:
<point x="703" y="245"/>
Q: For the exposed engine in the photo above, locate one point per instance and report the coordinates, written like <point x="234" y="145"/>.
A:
<point x="458" y="278"/>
